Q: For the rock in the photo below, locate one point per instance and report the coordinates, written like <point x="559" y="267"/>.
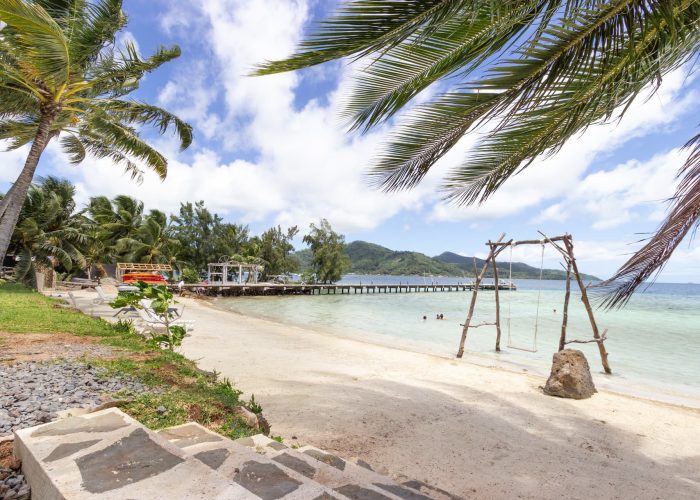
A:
<point x="24" y="493"/>
<point x="250" y="418"/>
<point x="570" y="376"/>
<point x="263" y="424"/>
<point x="162" y="409"/>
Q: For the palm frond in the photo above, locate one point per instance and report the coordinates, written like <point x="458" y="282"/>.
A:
<point x="95" y="145"/>
<point x="427" y="134"/>
<point x="458" y="45"/>
<point x="682" y="220"/>
<point x="94" y="29"/>
<point x="44" y="47"/>
<point x="145" y="114"/>
<point x="126" y="141"/>
<point x="18" y="132"/>
<point x="543" y="91"/>
<point x="118" y="73"/>
<point x="365" y="26"/>
<point x="73" y="148"/>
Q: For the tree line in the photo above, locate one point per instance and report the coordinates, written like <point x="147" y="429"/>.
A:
<point x="53" y="232"/>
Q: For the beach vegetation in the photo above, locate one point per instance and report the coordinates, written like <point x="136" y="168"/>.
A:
<point x="527" y="76"/>
<point x="275" y="248"/>
<point x="49" y="234"/>
<point x="189" y="275"/>
<point x="329" y="261"/>
<point x="177" y="384"/>
<point x="64" y="77"/>
<point x="87" y="241"/>
<point x="204" y="237"/>
<point x="161" y="303"/>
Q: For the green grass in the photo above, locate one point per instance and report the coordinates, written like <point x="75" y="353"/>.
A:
<point x="25" y="311"/>
<point x="186" y="393"/>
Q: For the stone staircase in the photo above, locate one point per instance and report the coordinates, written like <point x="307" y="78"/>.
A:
<point x="109" y="455"/>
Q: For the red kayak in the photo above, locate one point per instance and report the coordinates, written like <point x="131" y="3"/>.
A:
<point x="150" y="278"/>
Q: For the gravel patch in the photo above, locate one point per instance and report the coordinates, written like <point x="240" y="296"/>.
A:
<point x="32" y="393"/>
<point x="13" y="486"/>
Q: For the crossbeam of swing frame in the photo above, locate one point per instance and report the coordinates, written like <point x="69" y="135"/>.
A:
<point x="516" y="243"/>
<point x="496" y="247"/>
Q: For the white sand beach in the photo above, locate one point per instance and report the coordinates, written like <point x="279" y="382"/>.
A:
<point x="475" y="431"/>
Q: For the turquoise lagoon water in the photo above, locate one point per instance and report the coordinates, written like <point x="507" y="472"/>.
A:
<point x="653" y="343"/>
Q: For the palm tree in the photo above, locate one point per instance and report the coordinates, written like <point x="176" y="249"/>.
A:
<point x="153" y="242"/>
<point x="536" y="71"/>
<point x="119" y="218"/>
<point x="48" y="234"/>
<point x="62" y="76"/>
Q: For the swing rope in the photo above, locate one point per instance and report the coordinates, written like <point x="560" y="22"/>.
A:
<point x="537" y="311"/>
<point x="510" y="284"/>
<point x="539" y="294"/>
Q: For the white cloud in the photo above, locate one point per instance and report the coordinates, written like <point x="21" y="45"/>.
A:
<point x="608" y="198"/>
<point x="304" y="167"/>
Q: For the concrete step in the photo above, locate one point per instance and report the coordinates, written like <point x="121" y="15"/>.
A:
<point x="354" y="480"/>
<point x="255" y="472"/>
<point x="109" y="455"/>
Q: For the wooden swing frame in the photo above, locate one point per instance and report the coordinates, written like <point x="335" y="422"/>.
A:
<point x="564" y="244"/>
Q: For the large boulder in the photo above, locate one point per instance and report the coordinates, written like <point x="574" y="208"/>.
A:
<point x="570" y="376"/>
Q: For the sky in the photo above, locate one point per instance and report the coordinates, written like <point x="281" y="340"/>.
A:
<point x="273" y="150"/>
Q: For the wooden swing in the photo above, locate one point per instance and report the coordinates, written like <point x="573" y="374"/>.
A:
<point x="565" y="246"/>
<point x="511" y="344"/>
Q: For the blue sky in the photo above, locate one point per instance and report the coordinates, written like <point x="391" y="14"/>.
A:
<point x="273" y="151"/>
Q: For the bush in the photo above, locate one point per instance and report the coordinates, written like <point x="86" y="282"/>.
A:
<point x="189" y="275"/>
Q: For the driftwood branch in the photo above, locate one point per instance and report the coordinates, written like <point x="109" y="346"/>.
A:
<point x="480" y="324"/>
<point x="602" y="339"/>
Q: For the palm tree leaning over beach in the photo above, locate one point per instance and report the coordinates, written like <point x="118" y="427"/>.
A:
<point x="61" y="76"/>
<point x="536" y="72"/>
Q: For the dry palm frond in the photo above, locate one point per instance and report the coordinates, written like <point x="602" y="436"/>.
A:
<point x="682" y="220"/>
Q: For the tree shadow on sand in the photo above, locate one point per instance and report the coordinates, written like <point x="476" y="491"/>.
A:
<point x="477" y="444"/>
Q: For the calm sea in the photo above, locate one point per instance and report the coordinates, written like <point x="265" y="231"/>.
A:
<point x="653" y="343"/>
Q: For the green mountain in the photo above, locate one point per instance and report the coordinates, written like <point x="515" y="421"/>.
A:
<point x="520" y="269"/>
<point x="369" y="258"/>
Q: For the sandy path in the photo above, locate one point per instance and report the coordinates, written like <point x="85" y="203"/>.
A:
<point x="476" y="431"/>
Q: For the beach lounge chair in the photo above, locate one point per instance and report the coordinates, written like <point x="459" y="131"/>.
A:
<point x="146" y="303"/>
<point x="103" y="298"/>
<point x="73" y="302"/>
<point x="153" y="321"/>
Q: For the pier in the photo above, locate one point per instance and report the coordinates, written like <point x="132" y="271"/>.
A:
<point x="236" y="289"/>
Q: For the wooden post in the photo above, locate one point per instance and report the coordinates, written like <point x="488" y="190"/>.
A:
<point x="584" y="298"/>
<point x="498" y="302"/>
<point x="565" y="318"/>
<point x="465" y="328"/>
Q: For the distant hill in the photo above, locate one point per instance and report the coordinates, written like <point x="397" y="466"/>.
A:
<point x="369" y="258"/>
<point x="520" y="269"/>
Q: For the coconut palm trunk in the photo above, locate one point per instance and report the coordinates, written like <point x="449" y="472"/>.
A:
<point x="18" y="193"/>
